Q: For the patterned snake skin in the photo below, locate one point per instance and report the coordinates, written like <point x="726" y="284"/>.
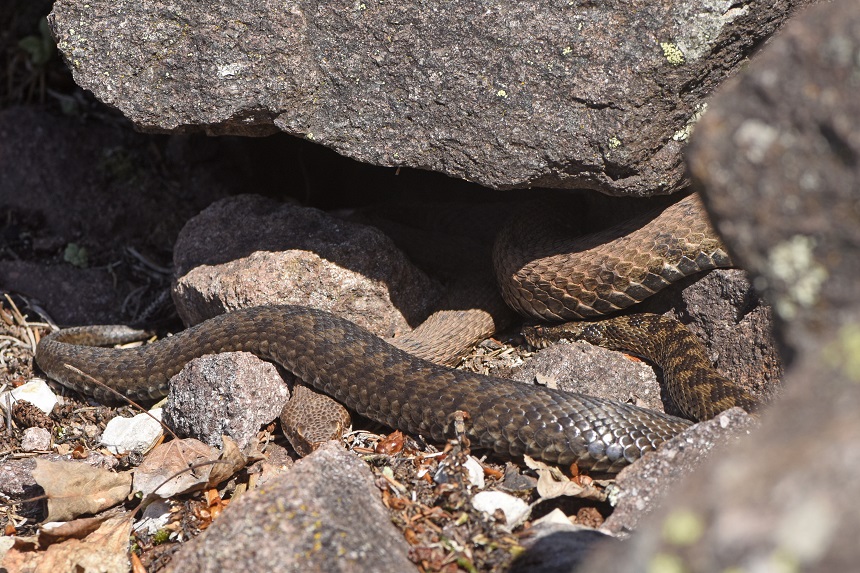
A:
<point x="390" y="386"/>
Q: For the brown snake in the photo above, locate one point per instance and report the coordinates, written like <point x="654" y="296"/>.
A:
<point x="388" y="385"/>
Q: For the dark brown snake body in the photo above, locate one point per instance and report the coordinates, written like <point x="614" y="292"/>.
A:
<point x="390" y="386"/>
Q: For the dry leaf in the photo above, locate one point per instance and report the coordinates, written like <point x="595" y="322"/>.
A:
<point x="392" y="444"/>
<point x="175" y="467"/>
<point x="77" y="528"/>
<point x="105" y="549"/>
<point x="553" y="483"/>
<point x="231" y="461"/>
<point x="74" y="488"/>
<point x="181" y="466"/>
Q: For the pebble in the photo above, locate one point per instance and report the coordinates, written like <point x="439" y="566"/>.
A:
<point x="36" y="391"/>
<point x="476" y="472"/>
<point x="516" y="510"/>
<point x="36" y="440"/>
<point x="137" y="434"/>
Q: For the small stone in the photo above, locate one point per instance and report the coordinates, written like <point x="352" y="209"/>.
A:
<point x="476" y="472"/>
<point x="36" y="440"/>
<point x="516" y="510"/>
<point x="36" y="391"/>
<point x="137" y="434"/>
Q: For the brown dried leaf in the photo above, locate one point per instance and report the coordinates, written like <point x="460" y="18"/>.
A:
<point x="231" y="461"/>
<point x="75" y="489"/>
<point x="77" y="528"/>
<point x="392" y="444"/>
<point x="181" y="466"/>
<point x="553" y="483"/>
<point x="105" y="549"/>
<point x="175" y="467"/>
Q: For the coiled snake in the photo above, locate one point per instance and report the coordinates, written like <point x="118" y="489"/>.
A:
<point x="614" y="269"/>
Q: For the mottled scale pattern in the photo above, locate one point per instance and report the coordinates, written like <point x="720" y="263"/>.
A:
<point x="376" y="380"/>
<point x="308" y="420"/>
<point x="548" y="274"/>
<point x="699" y="391"/>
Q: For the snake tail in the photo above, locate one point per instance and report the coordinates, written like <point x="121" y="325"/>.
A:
<point x="698" y="390"/>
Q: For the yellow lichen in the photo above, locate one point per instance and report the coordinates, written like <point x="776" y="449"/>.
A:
<point x="844" y="352"/>
<point x="793" y="264"/>
<point x="672" y="53"/>
<point x="683" y="527"/>
<point x="665" y="563"/>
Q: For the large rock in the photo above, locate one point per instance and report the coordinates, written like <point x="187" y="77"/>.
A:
<point x="777" y="155"/>
<point x="539" y="93"/>
<point x="249" y="250"/>
<point x="324" y="514"/>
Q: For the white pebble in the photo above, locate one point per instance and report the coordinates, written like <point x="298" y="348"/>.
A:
<point x="516" y="510"/>
<point x="476" y="472"/>
<point x="137" y="434"/>
<point x="36" y="391"/>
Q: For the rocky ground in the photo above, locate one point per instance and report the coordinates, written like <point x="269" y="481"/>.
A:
<point x="102" y="224"/>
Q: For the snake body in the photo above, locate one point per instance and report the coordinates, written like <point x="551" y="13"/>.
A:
<point x="403" y="391"/>
<point x="379" y="381"/>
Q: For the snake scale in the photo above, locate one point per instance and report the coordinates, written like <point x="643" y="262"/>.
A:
<point x="386" y="384"/>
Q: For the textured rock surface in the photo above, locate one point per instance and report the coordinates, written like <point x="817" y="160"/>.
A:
<point x="232" y="394"/>
<point x="641" y="487"/>
<point x="324" y="514"/>
<point x="581" y="367"/>
<point x="777" y="157"/>
<point x="540" y="93"/>
<point x="249" y="250"/>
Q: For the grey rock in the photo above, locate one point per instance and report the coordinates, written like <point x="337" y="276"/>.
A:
<point x="248" y="251"/>
<point x="581" y="367"/>
<point x="529" y="94"/>
<point x="641" y="487"/>
<point x="16" y="477"/>
<point x="324" y="514"/>
<point x="232" y="394"/>
<point x="777" y="158"/>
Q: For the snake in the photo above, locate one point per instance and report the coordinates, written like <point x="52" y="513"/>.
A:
<point x="606" y="271"/>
